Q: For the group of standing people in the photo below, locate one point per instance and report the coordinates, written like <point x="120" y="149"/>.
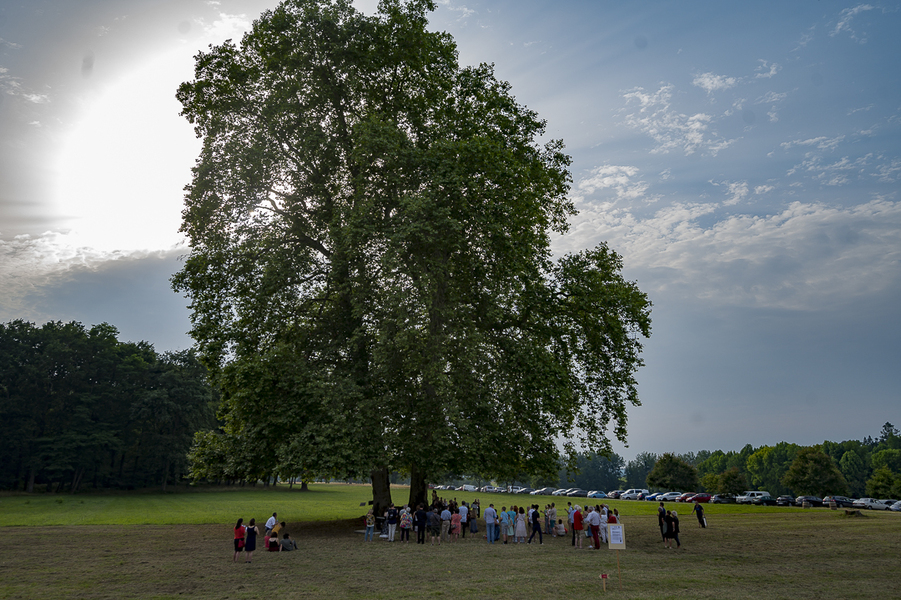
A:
<point x="669" y="526"/>
<point x="591" y="522"/>
<point x="246" y="538"/>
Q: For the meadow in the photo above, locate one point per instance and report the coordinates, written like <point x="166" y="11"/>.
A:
<point x="178" y="545"/>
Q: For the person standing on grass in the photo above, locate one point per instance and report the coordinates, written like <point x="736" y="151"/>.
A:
<point x="594" y="521"/>
<point x="668" y="528"/>
<point x="456" y="524"/>
<point x="239" y="539"/>
<point x="521" y="531"/>
<point x="661" y="520"/>
<point x="420" y="521"/>
<point x="490" y="522"/>
<point x="435" y="526"/>
<point x="464" y="514"/>
<point x="250" y="543"/>
<point x="271" y="523"/>
<point x="445" y="524"/>
<point x="577" y="526"/>
<point x="536" y="525"/>
<point x="505" y="523"/>
<point x="474" y="516"/>
<point x="391" y="516"/>
<point x="675" y="532"/>
<point x="369" y="519"/>
<point x="570" y="511"/>
<point x="406" y="524"/>
<point x="699" y="511"/>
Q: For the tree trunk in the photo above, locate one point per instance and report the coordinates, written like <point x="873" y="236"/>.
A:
<point x="29" y="484"/>
<point x="381" y="490"/>
<point x="418" y="488"/>
<point x="165" y="475"/>
<point x="304" y="487"/>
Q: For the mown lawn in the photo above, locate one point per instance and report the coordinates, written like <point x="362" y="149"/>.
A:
<point x="745" y="553"/>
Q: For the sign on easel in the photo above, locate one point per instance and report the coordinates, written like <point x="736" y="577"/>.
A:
<point x="616" y="536"/>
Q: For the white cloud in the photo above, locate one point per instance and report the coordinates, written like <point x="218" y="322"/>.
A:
<point x="763" y="189"/>
<point x="766" y="70"/>
<point x="736" y="191"/>
<point x="714" y="83"/>
<point x="671" y="130"/>
<point x="822" y="143"/>
<point x="227" y="27"/>
<point x="844" y="22"/>
<point x="620" y="179"/>
<point x="803" y="257"/>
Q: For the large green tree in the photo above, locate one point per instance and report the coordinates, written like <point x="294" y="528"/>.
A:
<point x="672" y="473"/>
<point x="813" y="472"/>
<point x="369" y="226"/>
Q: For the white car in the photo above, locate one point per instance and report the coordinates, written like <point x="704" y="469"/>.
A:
<point x="668" y="497"/>
<point x="870" y="503"/>
<point x="633" y="494"/>
<point x="895" y="507"/>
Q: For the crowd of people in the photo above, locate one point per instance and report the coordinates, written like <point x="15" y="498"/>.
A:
<point x="447" y="521"/>
<point x="246" y="538"/>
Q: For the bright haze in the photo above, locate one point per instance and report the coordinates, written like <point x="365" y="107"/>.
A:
<point x="744" y="159"/>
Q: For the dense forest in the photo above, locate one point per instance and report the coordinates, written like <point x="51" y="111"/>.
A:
<point x="80" y="409"/>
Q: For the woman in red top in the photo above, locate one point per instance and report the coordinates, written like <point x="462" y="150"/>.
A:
<point x="577" y="525"/>
<point x="239" y="538"/>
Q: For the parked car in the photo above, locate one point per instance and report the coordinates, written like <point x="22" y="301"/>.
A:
<point x="888" y="502"/>
<point x="766" y="500"/>
<point x="632" y="494"/>
<point x="811" y="500"/>
<point x="722" y="499"/>
<point x="895" y="507"/>
<point x="577" y="493"/>
<point x="525" y="490"/>
<point x="686" y="497"/>
<point x="648" y="497"/>
<point x="840" y="501"/>
<point x="702" y="497"/>
<point x="869" y="503"/>
<point x="597" y="494"/>
<point x="668" y="497"/>
<point x="785" y="501"/>
<point x="561" y="492"/>
<point x="748" y="497"/>
<point x="545" y="491"/>
<point x="615" y="494"/>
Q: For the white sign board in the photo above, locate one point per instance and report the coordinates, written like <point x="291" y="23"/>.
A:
<point x="616" y="536"/>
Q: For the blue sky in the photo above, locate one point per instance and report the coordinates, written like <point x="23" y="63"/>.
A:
<point x="744" y="161"/>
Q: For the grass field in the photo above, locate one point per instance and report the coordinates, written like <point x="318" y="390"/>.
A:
<point x="179" y="546"/>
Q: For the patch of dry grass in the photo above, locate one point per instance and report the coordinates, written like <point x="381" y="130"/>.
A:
<point x="757" y="554"/>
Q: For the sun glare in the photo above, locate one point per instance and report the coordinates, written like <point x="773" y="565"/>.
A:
<point x="122" y="169"/>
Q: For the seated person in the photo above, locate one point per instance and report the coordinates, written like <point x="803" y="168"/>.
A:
<point x="561" y="528"/>
<point x="273" y="545"/>
<point x="278" y="527"/>
<point x="288" y="544"/>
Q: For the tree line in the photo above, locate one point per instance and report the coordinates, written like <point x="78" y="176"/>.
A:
<point x="79" y="408"/>
<point x="868" y="467"/>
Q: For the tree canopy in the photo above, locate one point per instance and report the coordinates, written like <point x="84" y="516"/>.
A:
<point x="672" y="473"/>
<point x="77" y="405"/>
<point x="370" y="268"/>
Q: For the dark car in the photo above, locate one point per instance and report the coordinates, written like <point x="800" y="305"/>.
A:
<point x="578" y="493"/>
<point x="722" y="499"/>
<point x="785" y="501"/>
<point x="763" y="501"/>
<point x="840" y="501"/>
<point x="811" y="500"/>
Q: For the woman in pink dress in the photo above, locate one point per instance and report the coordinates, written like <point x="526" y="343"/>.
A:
<point x="455" y="525"/>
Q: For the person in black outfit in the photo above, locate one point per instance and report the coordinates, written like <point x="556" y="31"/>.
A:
<point x="536" y="525"/>
<point x="419" y="522"/>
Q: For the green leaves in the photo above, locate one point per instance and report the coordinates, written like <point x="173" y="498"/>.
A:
<point x="369" y="225"/>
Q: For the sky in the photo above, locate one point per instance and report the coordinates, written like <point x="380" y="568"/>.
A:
<point x="744" y="159"/>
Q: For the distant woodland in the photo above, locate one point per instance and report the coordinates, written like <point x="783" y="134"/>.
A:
<point x="80" y="409"/>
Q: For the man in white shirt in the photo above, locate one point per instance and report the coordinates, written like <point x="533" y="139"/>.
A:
<point x="271" y="522"/>
<point x="445" y="525"/>
<point x="464" y="513"/>
<point x="490" y="522"/>
<point x="594" y="521"/>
